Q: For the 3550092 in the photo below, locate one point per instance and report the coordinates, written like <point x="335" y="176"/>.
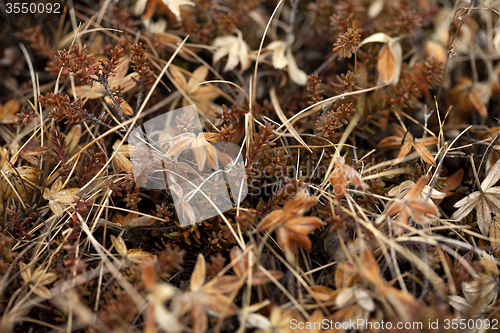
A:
<point x="470" y="324"/>
<point x="24" y="8"/>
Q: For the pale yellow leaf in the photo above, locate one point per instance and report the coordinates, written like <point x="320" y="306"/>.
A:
<point x="119" y="245"/>
<point x="73" y="138"/>
<point x="284" y="119"/>
<point x="198" y="275"/>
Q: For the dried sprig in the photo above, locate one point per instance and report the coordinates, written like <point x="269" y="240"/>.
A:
<point x="406" y="142"/>
<point x="347" y="44"/>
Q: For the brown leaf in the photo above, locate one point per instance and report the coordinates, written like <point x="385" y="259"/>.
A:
<point x="73" y="138"/>
<point x="346" y="276"/>
<point x="180" y="143"/>
<point x="292" y="227"/>
<point x="259" y="278"/>
<point x="120" y="160"/>
<point x="32" y="153"/>
<point x="8" y="111"/>
<point x="386" y="64"/>
<point x="453" y="181"/>
<point x="137" y="255"/>
<point x="478" y="104"/>
<point x="119" y="245"/>
<point x="125" y="107"/>
<point x="58" y="197"/>
<point x="495" y="233"/>
<point x="198" y="276"/>
<point x="435" y="50"/>
<point x="424" y="153"/>
<point x="405" y="150"/>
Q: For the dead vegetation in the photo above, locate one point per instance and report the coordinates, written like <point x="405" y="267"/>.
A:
<point x="369" y="144"/>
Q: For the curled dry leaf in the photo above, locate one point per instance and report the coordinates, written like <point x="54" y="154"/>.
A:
<point x="470" y="96"/>
<point x="131" y="220"/>
<point x="149" y="7"/>
<point x="480" y="295"/>
<point x="202" y="150"/>
<point x="72" y="139"/>
<point x="279" y="321"/>
<point x="254" y="319"/>
<point x="346" y="276"/>
<point x="375" y="8"/>
<point x="400" y="191"/>
<point x="125" y="108"/>
<point x="120" y="160"/>
<point x="453" y="181"/>
<point x="349" y="296"/>
<point x="484" y="201"/>
<point x="495" y="233"/>
<point x="434" y="49"/>
<point x="403" y="303"/>
<point x="32" y="153"/>
<point x="390" y="57"/>
<point x="174" y="6"/>
<point x="158" y="294"/>
<point x="10" y="184"/>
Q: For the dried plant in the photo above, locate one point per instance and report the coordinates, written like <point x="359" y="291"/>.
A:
<point x="485" y="201"/>
<point x="364" y="131"/>
<point x="291" y="226"/>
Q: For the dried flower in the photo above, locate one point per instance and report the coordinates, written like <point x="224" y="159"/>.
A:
<point x="411" y="206"/>
<point x="58" y="197"/>
<point x="292" y="227"/>
<point x="235" y="48"/>
<point x="204" y="297"/>
<point x="341" y="175"/>
<point x="485" y="201"/>
<point x="480" y="295"/>
<point x="201" y="95"/>
<point x="38" y="279"/>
